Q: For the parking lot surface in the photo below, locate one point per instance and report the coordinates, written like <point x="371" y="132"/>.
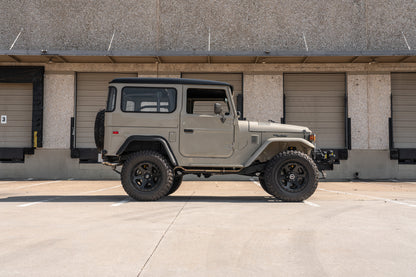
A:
<point x="207" y="228"/>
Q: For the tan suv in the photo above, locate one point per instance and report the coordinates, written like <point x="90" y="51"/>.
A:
<point x="159" y="129"/>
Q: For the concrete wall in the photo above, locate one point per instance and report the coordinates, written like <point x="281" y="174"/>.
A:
<point x="236" y="25"/>
<point x="59" y="104"/>
<point x="263" y="97"/>
<point x="368" y="90"/>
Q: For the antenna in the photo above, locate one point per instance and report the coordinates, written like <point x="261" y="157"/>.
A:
<point x="18" y="35"/>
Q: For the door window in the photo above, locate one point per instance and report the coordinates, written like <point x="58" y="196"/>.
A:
<point x="202" y="101"/>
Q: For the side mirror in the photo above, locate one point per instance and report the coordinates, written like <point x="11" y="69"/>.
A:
<point x="217" y="108"/>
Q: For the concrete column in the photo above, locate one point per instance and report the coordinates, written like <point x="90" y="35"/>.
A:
<point x="58" y="109"/>
<point x="379" y="110"/>
<point x="357" y="85"/>
<point x="263" y="97"/>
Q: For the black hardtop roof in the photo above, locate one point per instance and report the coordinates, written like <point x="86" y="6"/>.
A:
<point x="180" y="81"/>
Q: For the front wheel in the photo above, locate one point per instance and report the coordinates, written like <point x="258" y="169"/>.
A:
<point x="291" y="176"/>
<point x="146" y="176"/>
<point x="263" y="184"/>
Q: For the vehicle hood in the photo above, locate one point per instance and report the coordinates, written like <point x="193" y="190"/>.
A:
<point x="255" y="126"/>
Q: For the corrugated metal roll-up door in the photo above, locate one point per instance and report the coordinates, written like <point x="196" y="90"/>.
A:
<point x="317" y="101"/>
<point x="92" y="90"/>
<point x="403" y="89"/>
<point x="234" y="79"/>
<point x="16" y="101"/>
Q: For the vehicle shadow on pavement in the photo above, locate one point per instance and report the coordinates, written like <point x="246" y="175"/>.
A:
<point x="118" y="198"/>
<point x="220" y="199"/>
<point x="65" y="198"/>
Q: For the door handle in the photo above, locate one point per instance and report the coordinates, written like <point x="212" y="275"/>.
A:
<point x="189" y="131"/>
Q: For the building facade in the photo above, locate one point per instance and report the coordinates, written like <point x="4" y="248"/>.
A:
<point x="346" y="69"/>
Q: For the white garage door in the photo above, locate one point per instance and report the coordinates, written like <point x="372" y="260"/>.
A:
<point x="403" y="89"/>
<point x="92" y="90"/>
<point x="234" y="79"/>
<point x="16" y="101"/>
<point x="317" y="101"/>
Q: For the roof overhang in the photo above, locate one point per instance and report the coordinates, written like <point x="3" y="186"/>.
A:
<point x="266" y="57"/>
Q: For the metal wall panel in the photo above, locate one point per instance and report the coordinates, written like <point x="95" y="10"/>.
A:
<point x="92" y="89"/>
<point x="403" y="89"/>
<point x="317" y="101"/>
<point x="16" y="101"/>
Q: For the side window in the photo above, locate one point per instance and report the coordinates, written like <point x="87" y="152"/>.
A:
<point x="202" y="101"/>
<point x="148" y="100"/>
<point x="111" y="101"/>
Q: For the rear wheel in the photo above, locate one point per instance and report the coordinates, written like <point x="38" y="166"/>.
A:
<point x="146" y="176"/>
<point x="291" y="176"/>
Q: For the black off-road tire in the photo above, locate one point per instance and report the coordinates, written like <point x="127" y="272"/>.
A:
<point x="291" y="176"/>
<point x="99" y="130"/>
<point x="177" y="181"/>
<point x="263" y="184"/>
<point x="146" y="176"/>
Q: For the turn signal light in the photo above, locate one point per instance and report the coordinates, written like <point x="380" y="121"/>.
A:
<point x="312" y="137"/>
<point x="115" y="133"/>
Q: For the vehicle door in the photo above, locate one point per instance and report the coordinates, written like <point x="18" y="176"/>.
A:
<point x="203" y="133"/>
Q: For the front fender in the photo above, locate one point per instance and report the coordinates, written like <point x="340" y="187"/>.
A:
<point x="273" y="146"/>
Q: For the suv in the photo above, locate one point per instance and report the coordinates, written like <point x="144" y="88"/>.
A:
<point x="159" y="129"/>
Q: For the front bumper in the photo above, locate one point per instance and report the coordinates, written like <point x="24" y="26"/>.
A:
<point x="324" y="159"/>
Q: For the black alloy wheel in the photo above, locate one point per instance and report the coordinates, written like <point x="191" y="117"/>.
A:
<point x="146" y="175"/>
<point x="291" y="176"/>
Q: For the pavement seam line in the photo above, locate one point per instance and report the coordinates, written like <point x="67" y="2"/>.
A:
<point x="164" y="234"/>
<point x="371" y="197"/>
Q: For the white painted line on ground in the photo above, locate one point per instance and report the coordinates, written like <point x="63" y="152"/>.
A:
<point x="255" y="182"/>
<point x="121" y="202"/>
<point x="82" y="193"/>
<point x="37" y="202"/>
<point x="92" y="191"/>
<point x="6" y="182"/>
<point x="305" y="202"/>
<point x="371" y="197"/>
<point x="310" y="203"/>
<point x="413" y="183"/>
<point x="32" y="185"/>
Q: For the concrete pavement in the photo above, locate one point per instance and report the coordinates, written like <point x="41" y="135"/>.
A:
<point x="207" y="228"/>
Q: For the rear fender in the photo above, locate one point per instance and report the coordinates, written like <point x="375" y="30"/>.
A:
<point x="139" y="143"/>
<point x="273" y="146"/>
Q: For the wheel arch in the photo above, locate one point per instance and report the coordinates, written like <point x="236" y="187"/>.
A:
<point x="137" y="143"/>
<point x="274" y="146"/>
